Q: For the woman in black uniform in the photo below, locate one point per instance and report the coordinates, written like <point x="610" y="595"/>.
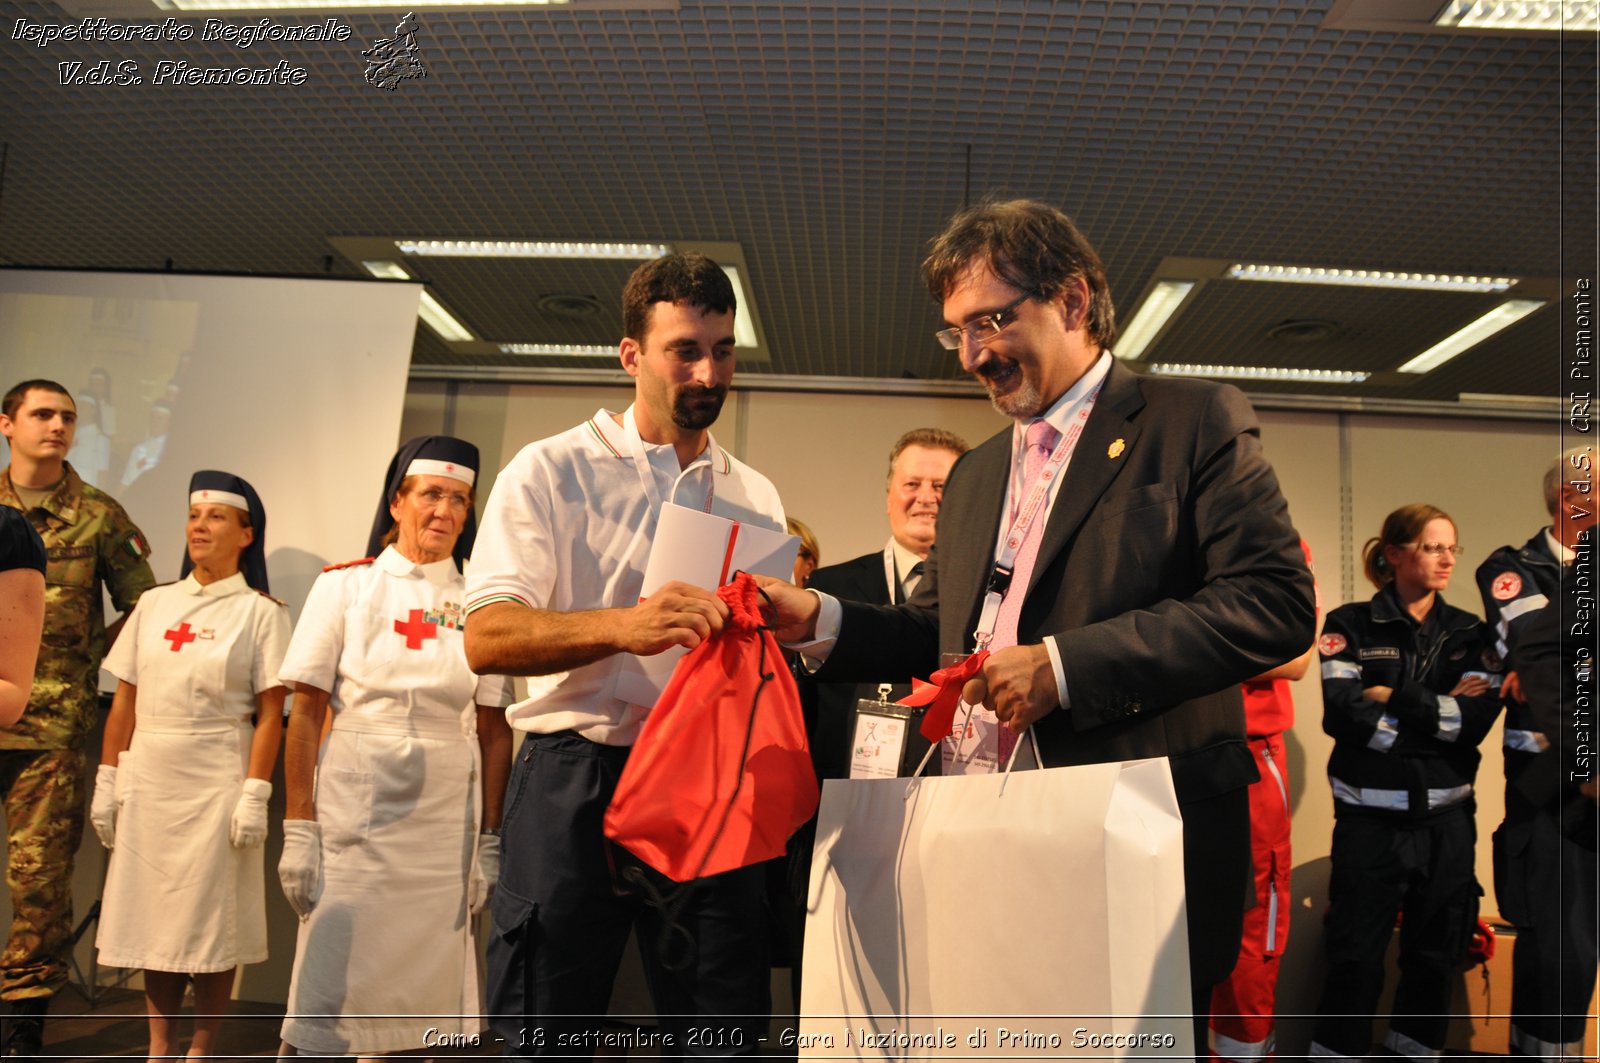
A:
<point x="1410" y="686"/>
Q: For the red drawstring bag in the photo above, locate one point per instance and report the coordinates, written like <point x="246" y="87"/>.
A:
<point x="721" y="775"/>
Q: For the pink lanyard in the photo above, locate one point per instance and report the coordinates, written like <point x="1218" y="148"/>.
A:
<point x="1022" y="520"/>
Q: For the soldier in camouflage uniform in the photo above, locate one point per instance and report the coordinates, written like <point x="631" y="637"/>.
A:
<point x="90" y="543"/>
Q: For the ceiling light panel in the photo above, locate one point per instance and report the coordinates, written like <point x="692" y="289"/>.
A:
<point x="1571" y="16"/>
<point x="385" y="270"/>
<point x="533" y="249"/>
<point x="1263" y="372"/>
<point x="1501" y="317"/>
<point x="1368" y="278"/>
<point x="1153" y="314"/>
<point x="551" y="350"/>
<point x="336" y="5"/>
<point x="436" y="317"/>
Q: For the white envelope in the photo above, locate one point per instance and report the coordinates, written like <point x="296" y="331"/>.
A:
<point x="703" y="550"/>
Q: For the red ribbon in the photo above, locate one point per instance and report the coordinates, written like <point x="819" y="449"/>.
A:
<point x="941" y="692"/>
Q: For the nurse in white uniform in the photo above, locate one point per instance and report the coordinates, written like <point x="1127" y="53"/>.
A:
<point x="396" y="849"/>
<point x="180" y="797"/>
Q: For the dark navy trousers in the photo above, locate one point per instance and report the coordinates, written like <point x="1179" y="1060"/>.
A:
<point x="567" y="899"/>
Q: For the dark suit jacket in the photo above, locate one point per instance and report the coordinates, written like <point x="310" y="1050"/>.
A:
<point x="830" y="706"/>
<point x="1168" y="572"/>
<point x="858" y="580"/>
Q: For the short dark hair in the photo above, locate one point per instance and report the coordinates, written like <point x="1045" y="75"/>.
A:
<point x="932" y="438"/>
<point x="1400" y="527"/>
<point x="684" y="277"/>
<point x="14" y="398"/>
<point x="1031" y="246"/>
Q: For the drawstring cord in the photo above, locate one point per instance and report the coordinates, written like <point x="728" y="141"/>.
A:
<point x="670" y="902"/>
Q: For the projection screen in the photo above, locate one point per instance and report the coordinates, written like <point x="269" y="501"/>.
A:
<point x="295" y="384"/>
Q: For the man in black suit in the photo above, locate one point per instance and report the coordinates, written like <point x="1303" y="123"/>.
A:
<point x="1166" y="570"/>
<point x="919" y="465"/>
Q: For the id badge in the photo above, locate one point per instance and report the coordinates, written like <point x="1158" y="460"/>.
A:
<point x="973" y="745"/>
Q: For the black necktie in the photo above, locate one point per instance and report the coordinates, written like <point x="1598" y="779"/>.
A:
<point x="916" y="571"/>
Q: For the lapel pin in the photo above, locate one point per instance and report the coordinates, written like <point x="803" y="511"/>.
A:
<point x="1116" y="448"/>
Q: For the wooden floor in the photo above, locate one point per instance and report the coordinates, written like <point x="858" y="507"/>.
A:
<point x="114" y="1027"/>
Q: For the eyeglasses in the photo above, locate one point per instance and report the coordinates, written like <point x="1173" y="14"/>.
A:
<point x="433" y="496"/>
<point x="982" y="329"/>
<point x="1436" y="549"/>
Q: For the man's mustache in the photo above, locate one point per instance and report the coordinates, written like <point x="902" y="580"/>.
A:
<point x="994" y="367"/>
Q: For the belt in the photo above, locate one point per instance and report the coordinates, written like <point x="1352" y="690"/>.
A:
<point x="189" y="725"/>
<point x="1526" y="741"/>
<point x="410" y="726"/>
<point x="1397" y="800"/>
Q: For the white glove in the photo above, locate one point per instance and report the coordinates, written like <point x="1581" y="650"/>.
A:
<point x="300" y="868"/>
<point x="103" y="806"/>
<point x="248" y="828"/>
<point x="485" y="872"/>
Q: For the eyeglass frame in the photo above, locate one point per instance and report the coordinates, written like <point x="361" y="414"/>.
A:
<point x="952" y="338"/>
<point x="1438" y="549"/>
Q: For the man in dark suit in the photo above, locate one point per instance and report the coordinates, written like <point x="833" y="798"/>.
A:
<point x="919" y="465"/>
<point x="1164" y="568"/>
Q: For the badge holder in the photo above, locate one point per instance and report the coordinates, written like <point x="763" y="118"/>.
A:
<point x="885" y="740"/>
<point x="977" y="751"/>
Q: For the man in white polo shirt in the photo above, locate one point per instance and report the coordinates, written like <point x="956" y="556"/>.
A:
<point x="553" y="591"/>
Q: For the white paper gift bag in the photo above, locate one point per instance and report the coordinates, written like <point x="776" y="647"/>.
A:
<point x="1022" y="916"/>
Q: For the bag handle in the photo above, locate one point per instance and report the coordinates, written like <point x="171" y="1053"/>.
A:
<point x="1026" y="736"/>
<point x="694" y="466"/>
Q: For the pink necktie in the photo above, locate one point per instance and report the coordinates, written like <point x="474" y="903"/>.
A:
<point x="1040" y="440"/>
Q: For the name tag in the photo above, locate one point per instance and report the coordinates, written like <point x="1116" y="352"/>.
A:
<point x="1380" y="653"/>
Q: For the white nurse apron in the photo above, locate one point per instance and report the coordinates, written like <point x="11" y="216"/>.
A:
<point x="387" y="953"/>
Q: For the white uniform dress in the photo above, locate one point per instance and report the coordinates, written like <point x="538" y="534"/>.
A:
<point x="388" y="952"/>
<point x="178" y="895"/>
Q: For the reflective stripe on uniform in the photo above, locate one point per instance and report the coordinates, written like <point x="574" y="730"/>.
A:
<point x="1526" y="741"/>
<point x="1400" y="1044"/>
<point x="1227" y="1048"/>
<point x="1320" y="1051"/>
<point x="1525" y="1044"/>
<point x="1449" y="719"/>
<point x="1511" y="610"/>
<point x="1340" y="670"/>
<point x="1384" y="733"/>
<point x="1396" y="800"/>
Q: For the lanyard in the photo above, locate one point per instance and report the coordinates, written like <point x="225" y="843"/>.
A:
<point x="646" y="472"/>
<point x="1022" y="520"/>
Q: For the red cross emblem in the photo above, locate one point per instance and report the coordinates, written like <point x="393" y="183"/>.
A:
<point x="416" y="630"/>
<point x="1506" y="586"/>
<point x="179" y="636"/>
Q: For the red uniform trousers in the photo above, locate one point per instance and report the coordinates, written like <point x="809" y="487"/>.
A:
<point x="1242" y="1006"/>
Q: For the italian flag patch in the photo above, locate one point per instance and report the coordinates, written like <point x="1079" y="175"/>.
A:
<point x="136" y="545"/>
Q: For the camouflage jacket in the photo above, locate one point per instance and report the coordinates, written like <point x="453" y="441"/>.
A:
<point x="90" y="542"/>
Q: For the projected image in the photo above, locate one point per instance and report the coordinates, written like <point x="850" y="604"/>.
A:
<point x="295" y="384"/>
<point x="91" y="446"/>
<point x="119" y="357"/>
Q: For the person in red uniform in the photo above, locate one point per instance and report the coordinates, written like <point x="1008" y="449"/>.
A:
<point x="1243" y="1004"/>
